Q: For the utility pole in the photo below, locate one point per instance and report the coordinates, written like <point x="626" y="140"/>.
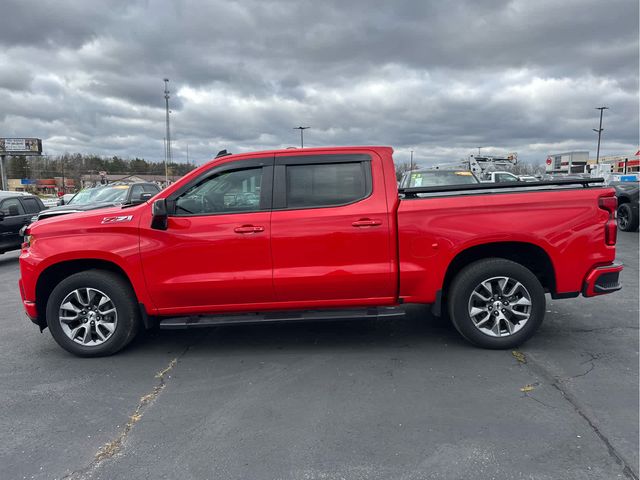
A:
<point x="187" y="155"/>
<point x="302" y="129"/>
<point x="63" y="189"/>
<point x="166" y="171"/>
<point x="168" y="134"/>
<point x="411" y="162"/>
<point x="3" y="172"/>
<point x="479" y="148"/>
<point x="599" y="132"/>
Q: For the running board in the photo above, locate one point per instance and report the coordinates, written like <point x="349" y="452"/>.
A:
<point x="172" y="323"/>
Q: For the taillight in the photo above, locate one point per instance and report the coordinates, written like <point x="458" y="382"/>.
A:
<point x="610" y="204"/>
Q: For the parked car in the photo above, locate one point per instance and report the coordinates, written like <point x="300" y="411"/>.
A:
<point x="117" y="193"/>
<point x="429" y="178"/>
<point x="64" y="199"/>
<point x="627" y="193"/>
<point x="318" y="234"/>
<point x="16" y="210"/>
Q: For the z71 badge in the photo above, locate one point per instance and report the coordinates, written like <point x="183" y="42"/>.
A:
<point x="118" y="219"/>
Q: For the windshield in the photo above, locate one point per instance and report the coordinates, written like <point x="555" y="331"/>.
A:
<point x="433" y="178"/>
<point x="115" y="194"/>
<point x="84" y="196"/>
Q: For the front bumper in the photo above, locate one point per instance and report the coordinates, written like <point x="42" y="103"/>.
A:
<point x="29" y="307"/>
<point x="602" y="280"/>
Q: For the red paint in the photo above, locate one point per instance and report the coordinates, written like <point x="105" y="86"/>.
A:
<point x="377" y="251"/>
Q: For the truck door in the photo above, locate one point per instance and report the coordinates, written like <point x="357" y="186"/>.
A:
<point x="330" y="233"/>
<point x="215" y="252"/>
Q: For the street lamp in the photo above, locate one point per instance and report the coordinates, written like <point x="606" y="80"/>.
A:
<point x="302" y="129"/>
<point x="599" y="132"/>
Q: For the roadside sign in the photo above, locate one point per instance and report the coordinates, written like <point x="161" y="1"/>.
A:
<point x="20" y="146"/>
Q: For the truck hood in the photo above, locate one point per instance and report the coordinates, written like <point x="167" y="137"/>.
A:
<point x="88" y="218"/>
<point x="65" y="209"/>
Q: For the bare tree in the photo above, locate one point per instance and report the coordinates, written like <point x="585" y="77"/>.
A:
<point x="402" y="168"/>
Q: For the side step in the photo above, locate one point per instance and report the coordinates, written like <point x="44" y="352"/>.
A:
<point x="172" y="323"/>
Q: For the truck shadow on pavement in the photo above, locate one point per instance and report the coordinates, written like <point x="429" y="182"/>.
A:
<point x="417" y="327"/>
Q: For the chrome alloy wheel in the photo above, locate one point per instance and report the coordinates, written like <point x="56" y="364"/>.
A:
<point x="500" y="306"/>
<point x="88" y="316"/>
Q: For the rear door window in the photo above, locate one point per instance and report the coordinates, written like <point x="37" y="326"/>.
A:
<point x="325" y="184"/>
<point x="31" y="205"/>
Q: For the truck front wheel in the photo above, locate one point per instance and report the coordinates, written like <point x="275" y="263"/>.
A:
<point x="496" y="303"/>
<point x="93" y="313"/>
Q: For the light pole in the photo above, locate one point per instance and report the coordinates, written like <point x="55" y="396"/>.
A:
<point x="599" y="132"/>
<point x="411" y="162"/>
<point x="302" y="129"/>
<point x="167" y="157"/>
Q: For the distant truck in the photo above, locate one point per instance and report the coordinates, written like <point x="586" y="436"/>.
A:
<point x="318" y="234"/>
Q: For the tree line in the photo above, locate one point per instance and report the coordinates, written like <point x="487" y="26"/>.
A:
<point x="73" y="165"/>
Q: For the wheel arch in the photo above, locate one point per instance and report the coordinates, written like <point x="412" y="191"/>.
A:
<point x="53" y="274"/>
<point x="529" y="255"/>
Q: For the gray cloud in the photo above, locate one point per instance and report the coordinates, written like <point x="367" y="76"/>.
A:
<point x="436" y="77"/>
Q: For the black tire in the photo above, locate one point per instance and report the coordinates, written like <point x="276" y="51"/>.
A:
<point x="471" y="277"/>
<point x="627" y="220"/>
<point x="124" y="301"/>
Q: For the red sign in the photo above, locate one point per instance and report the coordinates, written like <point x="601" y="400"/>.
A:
<point x="548" y="160"/>
<point x="638" y="153"/>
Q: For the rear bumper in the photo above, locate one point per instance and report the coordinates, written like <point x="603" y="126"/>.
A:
<point x="602" y="280"/>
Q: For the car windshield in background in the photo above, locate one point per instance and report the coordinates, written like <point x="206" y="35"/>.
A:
<point x="85" y="196"/>
<point x="115" y="194"/>
<point x="436" y="178"/>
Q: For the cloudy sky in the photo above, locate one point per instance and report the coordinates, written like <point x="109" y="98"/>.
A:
<point x="438" y="77"/>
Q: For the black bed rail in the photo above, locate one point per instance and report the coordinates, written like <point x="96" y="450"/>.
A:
<point x="414" y="191"/>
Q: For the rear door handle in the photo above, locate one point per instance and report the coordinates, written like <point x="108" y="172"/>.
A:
<point x="248" y="229"/>
<point x="366" y="222"/>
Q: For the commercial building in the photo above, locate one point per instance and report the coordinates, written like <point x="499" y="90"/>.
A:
<point x="567" y="162"/>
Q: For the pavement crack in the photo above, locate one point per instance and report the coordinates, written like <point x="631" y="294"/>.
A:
<point x="558" y="384"/>
<point x="112" y="448"/>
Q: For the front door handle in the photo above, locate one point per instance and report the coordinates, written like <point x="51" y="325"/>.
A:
<point x="248" y="229"/>
<point x="367" y="222"/>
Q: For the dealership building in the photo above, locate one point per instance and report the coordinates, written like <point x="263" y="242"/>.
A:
<point x="579" y="162"/>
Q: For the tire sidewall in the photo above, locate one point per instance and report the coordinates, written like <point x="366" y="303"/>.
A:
<point x="116" y="290"/>
<point x="470" y="277"/>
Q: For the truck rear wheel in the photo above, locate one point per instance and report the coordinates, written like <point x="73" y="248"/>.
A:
<point x="93" y="313"/>
<point x="496" y="303"/>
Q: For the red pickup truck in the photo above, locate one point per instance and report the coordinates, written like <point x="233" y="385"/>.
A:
<point x="318" y="234"/>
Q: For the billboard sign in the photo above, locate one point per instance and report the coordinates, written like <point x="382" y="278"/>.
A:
<point x="20" y="146"/>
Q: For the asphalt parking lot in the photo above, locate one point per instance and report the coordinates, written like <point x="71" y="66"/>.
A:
<point x="400" y="399"/>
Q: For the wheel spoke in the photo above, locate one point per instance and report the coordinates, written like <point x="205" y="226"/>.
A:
<point x="110" y="327"/>
<point x="484" y="320"/>
<point x="481" y="297"/>
<point x="513" y="290"/>
<point x="502" y="283"/>
<point x="106" y="312"/>
<point x="477" y="311"/>
<point x="487" y="286"/>
<point x="521" y="301"/>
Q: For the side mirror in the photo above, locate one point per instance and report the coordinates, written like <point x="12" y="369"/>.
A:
<point x="145" y="196"/>
<point x="159" y="216"/>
